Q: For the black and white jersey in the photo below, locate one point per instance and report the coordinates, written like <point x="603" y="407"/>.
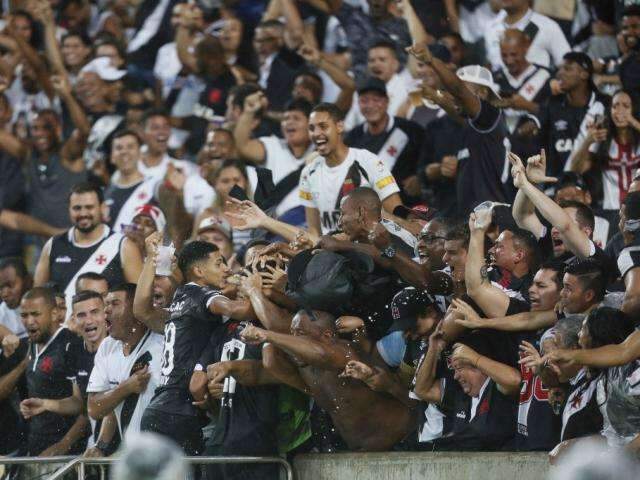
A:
<point x="581" y="416"/>
<point x="186" y="334"/>
<point x="103" y="128"/>
<point x="68" y="260"/>
<point x="51" y="373"/>
<point x="112" y="367"/>
<point x="398" y="146"/>
<point x="629" y="259"/>
<point x="563" y="127"/>
<point x="532" y="85"/>
<point x="122" y="202"/>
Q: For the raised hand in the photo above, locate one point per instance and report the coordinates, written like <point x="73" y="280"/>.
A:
<point x="518" y="171"/>
<point x="274" y="278"/>
<point x="530" y="357"/>
<point x="421" y="52"/>
<point x="463" y="354"/>
<point x="357" y="370"/>
<point x="379" y="236"/>
<point x="61" y="85"/>
<point x="470" y="319"/>
<point x="537" y="169"/>
<point x="151" y="244"/>
<point x="254" y="335"/>
<point x="310" y="54"/>
<point x="248" y="214"/>
<point x="254" y="102"/>
<point x="481" y="220"/>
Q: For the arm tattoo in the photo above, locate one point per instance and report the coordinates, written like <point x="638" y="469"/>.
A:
<point x="484" y="273"/>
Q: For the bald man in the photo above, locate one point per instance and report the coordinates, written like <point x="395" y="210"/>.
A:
<point x="523" y="86"/>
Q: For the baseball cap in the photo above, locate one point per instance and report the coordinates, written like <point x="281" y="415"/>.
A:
<point x="372" y="84"/>
<point x="216" y="223"/>
<point x="419" y="211"/>
<point x="479" y="75"/>
<point x="104" y="69"/>
<point x="440" y="51"/>
<point x="154" y="213"/>
<point x="406" y="306"/>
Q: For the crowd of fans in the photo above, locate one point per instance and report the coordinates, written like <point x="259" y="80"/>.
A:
<point x="262" y="227"/>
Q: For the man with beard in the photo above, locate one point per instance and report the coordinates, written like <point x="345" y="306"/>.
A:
<point x="52" y="167"/>
<point x="54" y="400"/>
<point x="126" y="371"/>
<point x="197" y="309"/>
<point x="313" y="358"/>
<point x="129" y="191"/>
<point x="88" y="246"/>
<point x="338" y="170"/>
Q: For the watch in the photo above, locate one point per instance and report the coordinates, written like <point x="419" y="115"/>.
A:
<point x="389" y="252"/>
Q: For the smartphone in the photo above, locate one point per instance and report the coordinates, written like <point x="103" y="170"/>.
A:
<point x="238" y="193"/>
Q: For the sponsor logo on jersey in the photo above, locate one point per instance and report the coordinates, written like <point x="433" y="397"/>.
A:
<point x="461" y="414"/>
<point x="561" y="125"/>
<point x="64" y="259"/>
<point x="176" y="307"/>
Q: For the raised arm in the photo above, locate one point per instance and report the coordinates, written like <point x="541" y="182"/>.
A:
<point x="574" y="238"/>
<point x="27" y="224"/>
<point x="602" y="357"/>
<point x="185" y="36"/>
<point x="143" y="308"/>
<point x="417" y="31"/>
<point x="469" y="103"/>
<point x="42" y="273"/>
<point x="524" y="321"/>
<point x="270" y="315"/>
<point x="506" y="378"/>
<point x="294" y="27"/>
<point x="249" y="148"/>
<point x="240" y="309"/>
<point x="131" y="259"/>
<point x="426" y="387"/>
<point x="631" y="301"/>
<point x="44" y="14"/>
<point x="328" y="356"/>
<point x="491" y="300"/>
<point x="75" y="144"/>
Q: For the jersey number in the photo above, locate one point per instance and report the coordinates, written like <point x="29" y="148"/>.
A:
<point x="167" y="354"/>
<point x="532" y="386"/>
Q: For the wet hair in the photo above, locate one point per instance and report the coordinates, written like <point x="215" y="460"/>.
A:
<point x="96" y="277"/>
<point x="568" y="329"/>
<point x="527" y="241"/>
<point x="632" y="205"/>
<point x="558" y="267"/>
<point x="85" y="295"/>
<point x="459" y="231"/>
<point x="17" y="264"/>
<point x="334" y="112"/>
<point x="584" y="214"/>
<point x="46" y="294"/>
<point x="127" y="132"/>
<point x="87" y="187"/>
<point x="192" y="253"/>
<point x="608" y="326"/>
<point x="299" y="105"/>
<point x="128" y="288"/>
<point x="590" y="275"/>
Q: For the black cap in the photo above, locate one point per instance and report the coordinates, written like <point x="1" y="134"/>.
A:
<point x="372" y="84"/>
<point x="581" y="59"/>
<point x="406" y="306"/>
<point x="440" y="51"/>
<point x="571" y="179"/>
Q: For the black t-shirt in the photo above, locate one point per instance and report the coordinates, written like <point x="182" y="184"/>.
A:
<point x="12" y="190"/>
<point x="401" y="143"/>
<point x="483" y="167"/>
<point x="186" y="334"/>
<point x="13" y="425"/>
<point x="51" y="374"/>
<point x="560" y="126"/>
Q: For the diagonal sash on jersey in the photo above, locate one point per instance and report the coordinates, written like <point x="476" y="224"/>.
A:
<point x="141" y="195"/>
<point x="393" y="147"/>
<point x="97" y="262"/>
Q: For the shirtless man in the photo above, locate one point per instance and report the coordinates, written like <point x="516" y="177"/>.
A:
<point x="366" y="420"/>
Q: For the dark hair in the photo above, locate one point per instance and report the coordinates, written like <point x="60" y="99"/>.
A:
<point x="299" y="105"/>
<point x="17" y="264"/>
<point x="556" y="266"/>
<point x="270" y="24"/>
<point x="46" y="294"/>
<point x="631" y="11"/>
<point x="608" y="326"/>
<point x="84" y="38"/>
<point x="127" y="132"/>
<point x="632" y="205"/>
<point x="459" y="231"/>
<point x="385" y="44"/>
<point x="528" y="242"/>
<point x="193" y="252"/>
<point x="602" y="154"/>
<point x="108" y="39"/>
<point x="87" y="187"/>
<point x="569" y="329"/>
<point x="584" y="214"/>
<point x="590" y="274"/>
<point x="240" y="92"/>
<point x="334" y="112"/>
<point x="128" y="288"/>
<point x="452" y="34"/>
<point x="96" y="277"/>
<point x="154" y="112"/>
<point x="85" y="295"/>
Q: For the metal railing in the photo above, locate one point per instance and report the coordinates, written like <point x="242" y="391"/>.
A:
<point x="80" y="463"/>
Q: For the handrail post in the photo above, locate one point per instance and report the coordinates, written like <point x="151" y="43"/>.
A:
<point x="65" y="469"/>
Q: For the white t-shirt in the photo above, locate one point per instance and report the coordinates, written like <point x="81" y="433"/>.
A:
<point x="111" y="368"/>
<point x="320" y="185"/>
<point x="281" y="161"/>
<point x="10" y="318"/>
<point x="548" y="43"/>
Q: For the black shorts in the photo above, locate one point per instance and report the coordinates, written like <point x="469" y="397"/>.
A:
<point x="186" y="431"/>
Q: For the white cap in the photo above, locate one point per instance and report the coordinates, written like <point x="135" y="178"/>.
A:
<point x="104" y="69"/>
<point x="478" y="75"/>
